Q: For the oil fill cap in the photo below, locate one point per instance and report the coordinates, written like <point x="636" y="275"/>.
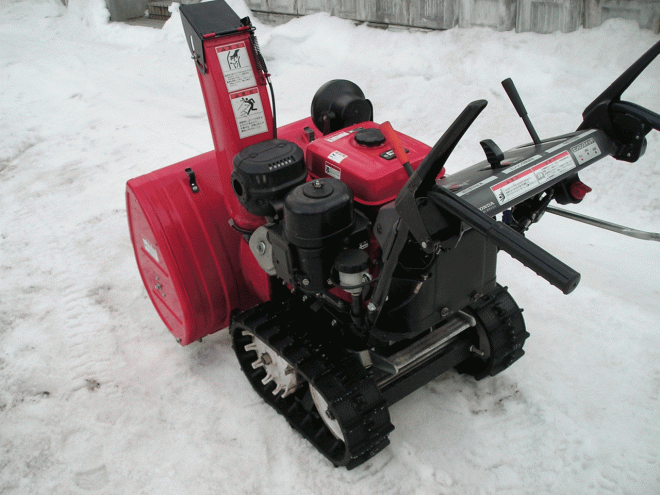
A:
<point x="369" y="137"/>
<point x="352" y="261"/>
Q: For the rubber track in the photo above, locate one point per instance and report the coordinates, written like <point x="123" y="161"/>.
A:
<point x="303" y="339"/>
<point x="501" y="318"/>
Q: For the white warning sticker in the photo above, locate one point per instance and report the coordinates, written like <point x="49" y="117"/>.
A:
<point x="248" y="112"/>
<point x="586" y="151"/>
<point x="337" y="137"/>
<point x="236" y="67"/>
<point x="562" y="144"/>
<point x="519" y="184"/>
<point x="332" y="171"/>
<point x="337" y="156"/>
<point x="150" y="249"/>
<point x="476" y="186"/>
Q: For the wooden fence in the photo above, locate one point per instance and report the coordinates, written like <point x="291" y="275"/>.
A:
<point x="542" y="16"/>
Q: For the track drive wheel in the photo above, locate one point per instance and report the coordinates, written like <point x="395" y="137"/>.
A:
<point x="502" y="334"/>
<point x="288" y="356"/>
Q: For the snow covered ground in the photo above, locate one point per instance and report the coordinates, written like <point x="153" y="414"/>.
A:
<point x="97" y="397"/>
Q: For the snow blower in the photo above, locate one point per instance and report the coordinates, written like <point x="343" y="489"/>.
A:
<point x="349" y="268"/>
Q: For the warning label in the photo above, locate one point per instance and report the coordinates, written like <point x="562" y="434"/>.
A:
<point x="519" y="184"/>
<point x="337" y="137"/>
<point x="337" y="156"/>
<point x="586" y="151"/>
<point x="248" y="112"/>
<point x="150" y="249"/>
<point x="332" y="171"/>
<point x="236" y="67"/>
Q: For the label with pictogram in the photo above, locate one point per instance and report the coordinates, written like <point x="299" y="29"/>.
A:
<point x="535" y="176"/>
<point x="236" y="66"/>
<point x="248" y="112"/>
<point x="585" y="151"/>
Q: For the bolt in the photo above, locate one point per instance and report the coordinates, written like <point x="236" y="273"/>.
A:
<point x="371" y="306"/>
<point x="158" y="286"/>
<point x="162" y="294"/>
<point x="317" y="184"/>
<point x="261" y="247"/>
<point x="424" y="245"/>
<point x="445" y="312"/>
<point x="333" y="323"/>
<point x="305" y="298"/>
<point x="477" y="351"/>
<point x="305" y="281"/>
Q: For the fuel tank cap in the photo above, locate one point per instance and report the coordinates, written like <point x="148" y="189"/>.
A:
<point x="369" y="137"/>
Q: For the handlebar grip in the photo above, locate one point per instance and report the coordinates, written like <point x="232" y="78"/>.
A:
<point x="519" y="247"/>
<point x="534" y="257"/>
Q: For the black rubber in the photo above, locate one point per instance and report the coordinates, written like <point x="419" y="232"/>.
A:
<point x="500" y="319"/>
<point x="304" y="340"/>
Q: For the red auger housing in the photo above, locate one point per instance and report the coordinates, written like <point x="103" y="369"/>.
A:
<point x="348" y="267"/>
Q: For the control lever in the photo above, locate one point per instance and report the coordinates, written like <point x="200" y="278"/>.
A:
<point x="511" y="90"/>
<point x="423" y="179"/>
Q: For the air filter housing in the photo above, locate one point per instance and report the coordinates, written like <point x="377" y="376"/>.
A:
<point x="265" y="172"/>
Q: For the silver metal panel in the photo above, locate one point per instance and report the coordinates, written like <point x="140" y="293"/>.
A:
<point x="496" y="14"/>
<point x="434" y="14"/>
<point x="312" y="6"/>
<point x="282" y="6"/>
<point x="549" y="16"/>
<point x="258" y="5"/>
<point x="645" y="13"/>
<point x="121" y="10"/>
<point x="349" y="9"/>
<point x="389" y="11"/>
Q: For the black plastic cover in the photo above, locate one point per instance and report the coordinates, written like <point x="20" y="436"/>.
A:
<point x="265" y="172"/>
<point x="318" y="212"/>
<point x="207" y="20"/>
<point x="338" y="104"/>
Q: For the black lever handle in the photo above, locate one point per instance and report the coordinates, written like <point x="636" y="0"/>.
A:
<point x="518" y="104"/>
<point x="529" y="254"/>
<point x="423" y="178"/>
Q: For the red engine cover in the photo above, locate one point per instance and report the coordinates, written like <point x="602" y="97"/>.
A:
<point x="373" y="173"/>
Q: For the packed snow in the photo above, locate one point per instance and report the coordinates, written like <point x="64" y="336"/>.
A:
<point x="97" y="397"/>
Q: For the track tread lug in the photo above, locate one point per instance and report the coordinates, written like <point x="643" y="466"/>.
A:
<point x="350" y="393"/>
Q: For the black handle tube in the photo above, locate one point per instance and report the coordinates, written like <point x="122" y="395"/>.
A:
<point x="529" y="254"/>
